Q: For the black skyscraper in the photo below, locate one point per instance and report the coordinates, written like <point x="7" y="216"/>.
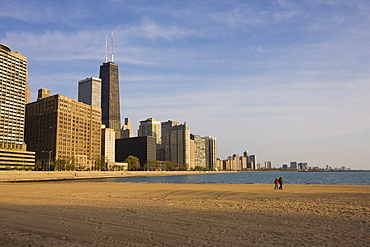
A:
<point x="110" y="102"/>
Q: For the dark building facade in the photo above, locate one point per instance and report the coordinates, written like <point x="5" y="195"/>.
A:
<point x="110" y="102"/>
<point x="143" y="147"/>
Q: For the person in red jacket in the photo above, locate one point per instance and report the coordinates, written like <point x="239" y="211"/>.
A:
<point x="276" y="184"/>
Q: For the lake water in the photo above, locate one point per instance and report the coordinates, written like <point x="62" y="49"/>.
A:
<point x="350" y="178"/>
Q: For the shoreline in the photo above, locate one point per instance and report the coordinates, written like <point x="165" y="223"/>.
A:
<point x="156" y="214"/>
<point x="47" y="176"/>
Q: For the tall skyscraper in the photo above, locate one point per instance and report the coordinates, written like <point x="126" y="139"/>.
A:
<point x="165" y="130"/>
<point x="150" y="127"/>
<point x="13" y="96"/>
<point x="211" y="152"/>
<point x="200" y="151"/>
<point x="89" y="91"/>
<point x="110" y="101"/>
<point x="179" y="144"/>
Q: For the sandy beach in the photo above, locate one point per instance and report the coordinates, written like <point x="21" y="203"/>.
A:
<point x="129" y="214"/>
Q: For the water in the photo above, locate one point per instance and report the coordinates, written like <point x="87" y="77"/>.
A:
<point x="350" y="178"/>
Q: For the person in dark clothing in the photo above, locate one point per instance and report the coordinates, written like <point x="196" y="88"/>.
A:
<point x="281" y="183"/>
<point x="276" y="184"/>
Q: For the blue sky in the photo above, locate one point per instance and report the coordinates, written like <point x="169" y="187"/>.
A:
<point x="286" y="80"/>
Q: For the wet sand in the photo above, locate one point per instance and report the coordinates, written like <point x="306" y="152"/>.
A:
<point x="129" y="214"/>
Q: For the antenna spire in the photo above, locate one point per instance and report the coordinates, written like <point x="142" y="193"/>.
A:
<point x="106" y="48"/>
<point x="111" y="50"/>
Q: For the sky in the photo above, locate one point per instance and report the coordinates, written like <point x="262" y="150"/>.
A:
<point x="286" y="80"/>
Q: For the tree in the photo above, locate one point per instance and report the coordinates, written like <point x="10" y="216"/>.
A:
<point x="60" y="164"/>
<point x="100" y="165"/>
<point x="38" y="166"/>
<point x="133" y="163"/>
<point x="152" y="165"/>
<point x="169" y="165"/>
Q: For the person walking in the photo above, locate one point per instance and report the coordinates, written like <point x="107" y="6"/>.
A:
<point x="276" y="184"/>
<point x="281" y="183"/>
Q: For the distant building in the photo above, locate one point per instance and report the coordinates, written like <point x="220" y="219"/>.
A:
<point x="166" y="127"/>
<point x="176" y="142"/>
<point x="143" y="148"/>
<point x="150" y="127"/>
<point x="211" y="152"/>
<point x="284" y="166"/>
<point x="267" y="164"/>
<point x="58" y="127"/>
<point x="293" y="165"/>
<point x="108" y="147"/>
<point x="126" y="131"/>
<point x="89" y="91"/>
<point x="200" y="151"/>
<point x="14" y="93"/>
<point x="253" y="162"/>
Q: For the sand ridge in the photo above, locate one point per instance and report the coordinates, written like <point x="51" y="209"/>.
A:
<point x="138" y="214"/>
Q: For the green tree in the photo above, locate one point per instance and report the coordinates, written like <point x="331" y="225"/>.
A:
<point x="100" y="165"/>
<point x="38" y="165"/>
<point x="133" y="163"/>
<point x="60" y="164"/>
<point x="170" y="166"/>
<point x="152" y="165"/>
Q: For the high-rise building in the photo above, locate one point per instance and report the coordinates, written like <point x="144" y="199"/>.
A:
<point x="253" y="162"/>
<point x="126" y="131"/>
<point x="176" y="142"/>
<point x="110" y="101"/>
<point x="267" y="164"/>
<point x="89" y="91"/>
<point x="108" y="147"/>
<point x="293" y="165"/>
<point x="58" y="127"/>
<point x="150" y="127"/>
<point x="211" y="152"/>
<point x="165" y="130"/>
<point x="13" y="96"/>
<point x="200" y="151"/>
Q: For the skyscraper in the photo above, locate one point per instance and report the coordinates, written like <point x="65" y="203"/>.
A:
<point x="89" y="91"/>
<point x="150" y="127"/>
<point x="13" y="96"/>
<point x="110" y="102"/>
<point x="211" y="152"/>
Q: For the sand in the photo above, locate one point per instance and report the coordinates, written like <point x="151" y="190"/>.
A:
<point x="129" y="214"/>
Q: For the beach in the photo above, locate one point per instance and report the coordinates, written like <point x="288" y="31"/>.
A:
<point x="143" y="214"/>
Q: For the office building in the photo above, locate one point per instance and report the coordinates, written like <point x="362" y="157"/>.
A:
<point x="110" y="100"/>
<point x="89" y="91"/>
<point x="143" y="148"/>
<point x="14" y="93"/>
<point x="126" y="131"/>
<point x="58" y="127"/>
<point x="108" y="147"/>
<point x="150" y="127"/>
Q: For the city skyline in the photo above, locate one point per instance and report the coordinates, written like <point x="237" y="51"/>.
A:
<point x="284" y="80"/>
